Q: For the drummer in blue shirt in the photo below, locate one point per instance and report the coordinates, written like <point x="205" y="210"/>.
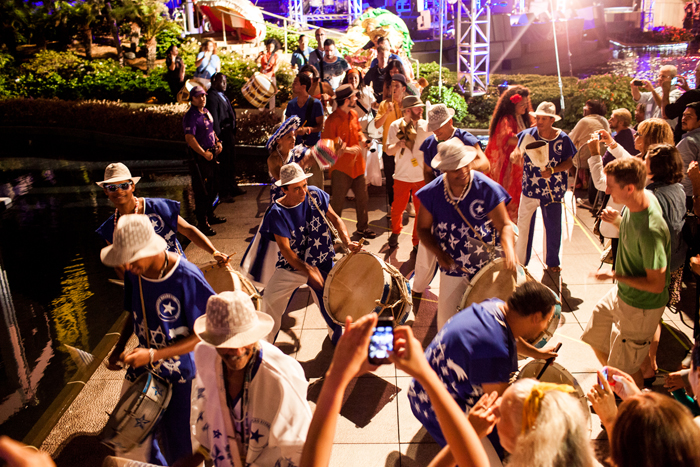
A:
<point x="164" y="214"/>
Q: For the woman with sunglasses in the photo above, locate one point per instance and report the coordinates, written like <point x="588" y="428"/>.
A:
<point x="119" y="186"/>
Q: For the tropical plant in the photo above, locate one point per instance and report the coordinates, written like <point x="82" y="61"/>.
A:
<point x="152" y="17"/>
<point x="84" y="14"/>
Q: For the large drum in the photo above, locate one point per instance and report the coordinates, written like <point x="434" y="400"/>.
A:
<point x="259" y="90"/>
<point x="559" y="375"/>
<point x="226" y="279"/>
<point x="361" y="283"/>
<point x="184" y="94"/>
<point x="137" y="412"/>
<point x="495" y="281"/>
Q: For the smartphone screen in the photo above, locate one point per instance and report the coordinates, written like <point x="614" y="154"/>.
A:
<point x="638" y="82"/>
<point x="604" y="371"/>
<point x="382" y="342"/>
<point x="674" y="81"/>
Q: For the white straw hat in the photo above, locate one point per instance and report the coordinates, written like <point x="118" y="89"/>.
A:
<point x="134" y="238"/>
<point x="453" y="154"/>
<point x="231" y="321"/>
<point x="546" y="109"/>
<point x="117" y="172"/>
<point x="291" y="173"/>
<point x="438" y="115"/>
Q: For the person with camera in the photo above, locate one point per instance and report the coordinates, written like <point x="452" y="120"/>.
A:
<point x="203" y="147"/>
<point x="652" y="97"/>
<point x="674" y="108"/>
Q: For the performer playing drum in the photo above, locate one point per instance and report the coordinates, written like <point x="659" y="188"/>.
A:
<point x="462" y="210"/>
<point x="297" y="223"/>
<point x="164" y="294"/>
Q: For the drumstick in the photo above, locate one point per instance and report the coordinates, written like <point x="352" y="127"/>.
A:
<point x="548" y="362"/>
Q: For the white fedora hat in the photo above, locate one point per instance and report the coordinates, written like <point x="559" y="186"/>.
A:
<point x="546" y="109"/>
<point x="117" y="172"/>
<point x="453" y="154"/>
<point x="291" y="173"/>
<point x="438" y="115"/>
<point x="231" y="321"/>
<point x="134" y="238"/>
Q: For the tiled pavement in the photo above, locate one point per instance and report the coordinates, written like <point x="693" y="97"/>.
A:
<point x="376" y="426"/>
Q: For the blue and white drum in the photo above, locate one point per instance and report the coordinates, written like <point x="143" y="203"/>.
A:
<point x="137" y="412"/>
<point x="494" y="280"/>
<point x="361" y="283"/>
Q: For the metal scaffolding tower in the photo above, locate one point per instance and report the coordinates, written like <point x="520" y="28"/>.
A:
<point x="472" y="34"/>
<point x="324" y="10"/>
<point x="647" y="15"/>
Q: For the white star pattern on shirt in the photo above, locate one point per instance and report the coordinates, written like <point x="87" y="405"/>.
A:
<point x="172" y="365"/>
<point x="453" y="241"/>
<point x="442" y="226"/>
<point x="168" y="308"/>
<point x="459" y="372"/>
<point x="453" y="227"/>
<point x="535" y="180"/>
<point x="557" y="188"/>
<point x="315" y="224"/>
<point x="463" y="231"/>
<point x="479" y="249"/>
<point x="322" y="257"/>
<point x="158" y="338"/>
<point x="317" y="243"/>
<point x="464" y="258"/>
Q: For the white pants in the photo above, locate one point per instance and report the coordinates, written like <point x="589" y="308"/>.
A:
<point x="426" y="263"/>
<point x="279" y="291"/>
<point x="553" y="232"/>
<point x="452" y="290"/>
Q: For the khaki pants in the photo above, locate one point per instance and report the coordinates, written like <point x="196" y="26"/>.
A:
<point x="340" y="184"/>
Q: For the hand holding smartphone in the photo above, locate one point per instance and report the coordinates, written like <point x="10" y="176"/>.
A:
<point x="604" y="371"/>
<point x="382" y="341"/>
<point x="638" y="83"/>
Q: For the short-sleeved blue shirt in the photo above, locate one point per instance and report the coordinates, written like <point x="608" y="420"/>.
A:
<point x="172" y="305"/>
<point x="309" y="236"/>
<point x="208" y="67"/>
<point x="561" y="148"/>
<point x="316" y="111"/>
<point x="475" y="347"/>
<point x="201" y="126"/>
<point x="430" y="146"/>
<point x="163" y="214"/>
<point x="450" y="231"/>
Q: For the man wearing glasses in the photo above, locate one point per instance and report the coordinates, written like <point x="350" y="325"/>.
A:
<point x="119" y="186"/>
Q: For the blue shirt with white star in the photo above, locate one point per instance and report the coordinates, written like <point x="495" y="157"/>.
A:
<point x="309" y="236"/>
<point x="561" y="148"/>
<point x="452" y="234"/>
<point x="475" y="347"/>
<point x="430" y="146"/>
<point x="163" y="214"/>
<point x="172" y="305"/>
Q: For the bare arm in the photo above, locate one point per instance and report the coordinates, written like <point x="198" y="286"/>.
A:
<point x="481" y="163"/>
<point x="274" y="165"/>
<point x="140" y="357"/>
<point x="196" y="236"/>
<point x="124" y="336"/>
<point x="444" y="458"/>
<point x="654" y="281"/>
<point x="501" y="221"/>
<point x="497" y="387"/>
<point x="425" y="223"/>
<point x="192" y="143"/>
<point x="428" y="173"/>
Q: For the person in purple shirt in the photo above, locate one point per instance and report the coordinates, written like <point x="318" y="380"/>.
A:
<point x="203" y="147"/>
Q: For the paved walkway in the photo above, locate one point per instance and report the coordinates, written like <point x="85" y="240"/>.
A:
<point x="376" y="427"/>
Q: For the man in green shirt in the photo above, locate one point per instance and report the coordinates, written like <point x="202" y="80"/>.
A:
<point x="625" y="319"/>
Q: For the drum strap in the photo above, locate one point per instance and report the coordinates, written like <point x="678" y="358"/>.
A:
<point x="332" y="228"/>
<point x="145" y="324"/>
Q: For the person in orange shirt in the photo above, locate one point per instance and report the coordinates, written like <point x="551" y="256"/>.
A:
<point x="349" y="170"/>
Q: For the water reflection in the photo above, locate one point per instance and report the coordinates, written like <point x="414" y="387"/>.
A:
<point x="68" y="312"/>
<point x="644" y="62"/>
<point x="53" y="288"/>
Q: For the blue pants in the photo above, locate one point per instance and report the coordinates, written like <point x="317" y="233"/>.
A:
<point x="552" y="218"/>
<point x="173" y="430"/>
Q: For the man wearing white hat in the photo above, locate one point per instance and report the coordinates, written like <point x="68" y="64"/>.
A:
<point x="441" y="126"/>
<point x="544" y="185"/>
<point x="297" y="222"/>
<point x="463" y="222"/>
<point x="173" y="293"/>
<point x="249" y="403"/>
<point x="119" y="186"/>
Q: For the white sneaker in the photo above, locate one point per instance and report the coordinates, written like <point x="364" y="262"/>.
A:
<point x="411" y="210"/>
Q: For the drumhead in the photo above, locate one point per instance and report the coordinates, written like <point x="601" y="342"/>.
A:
<point x="225" y="279"/>
<point x="494" y="280"/>
<point x="559" y="375"/>
<point x="353" y="286"/>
